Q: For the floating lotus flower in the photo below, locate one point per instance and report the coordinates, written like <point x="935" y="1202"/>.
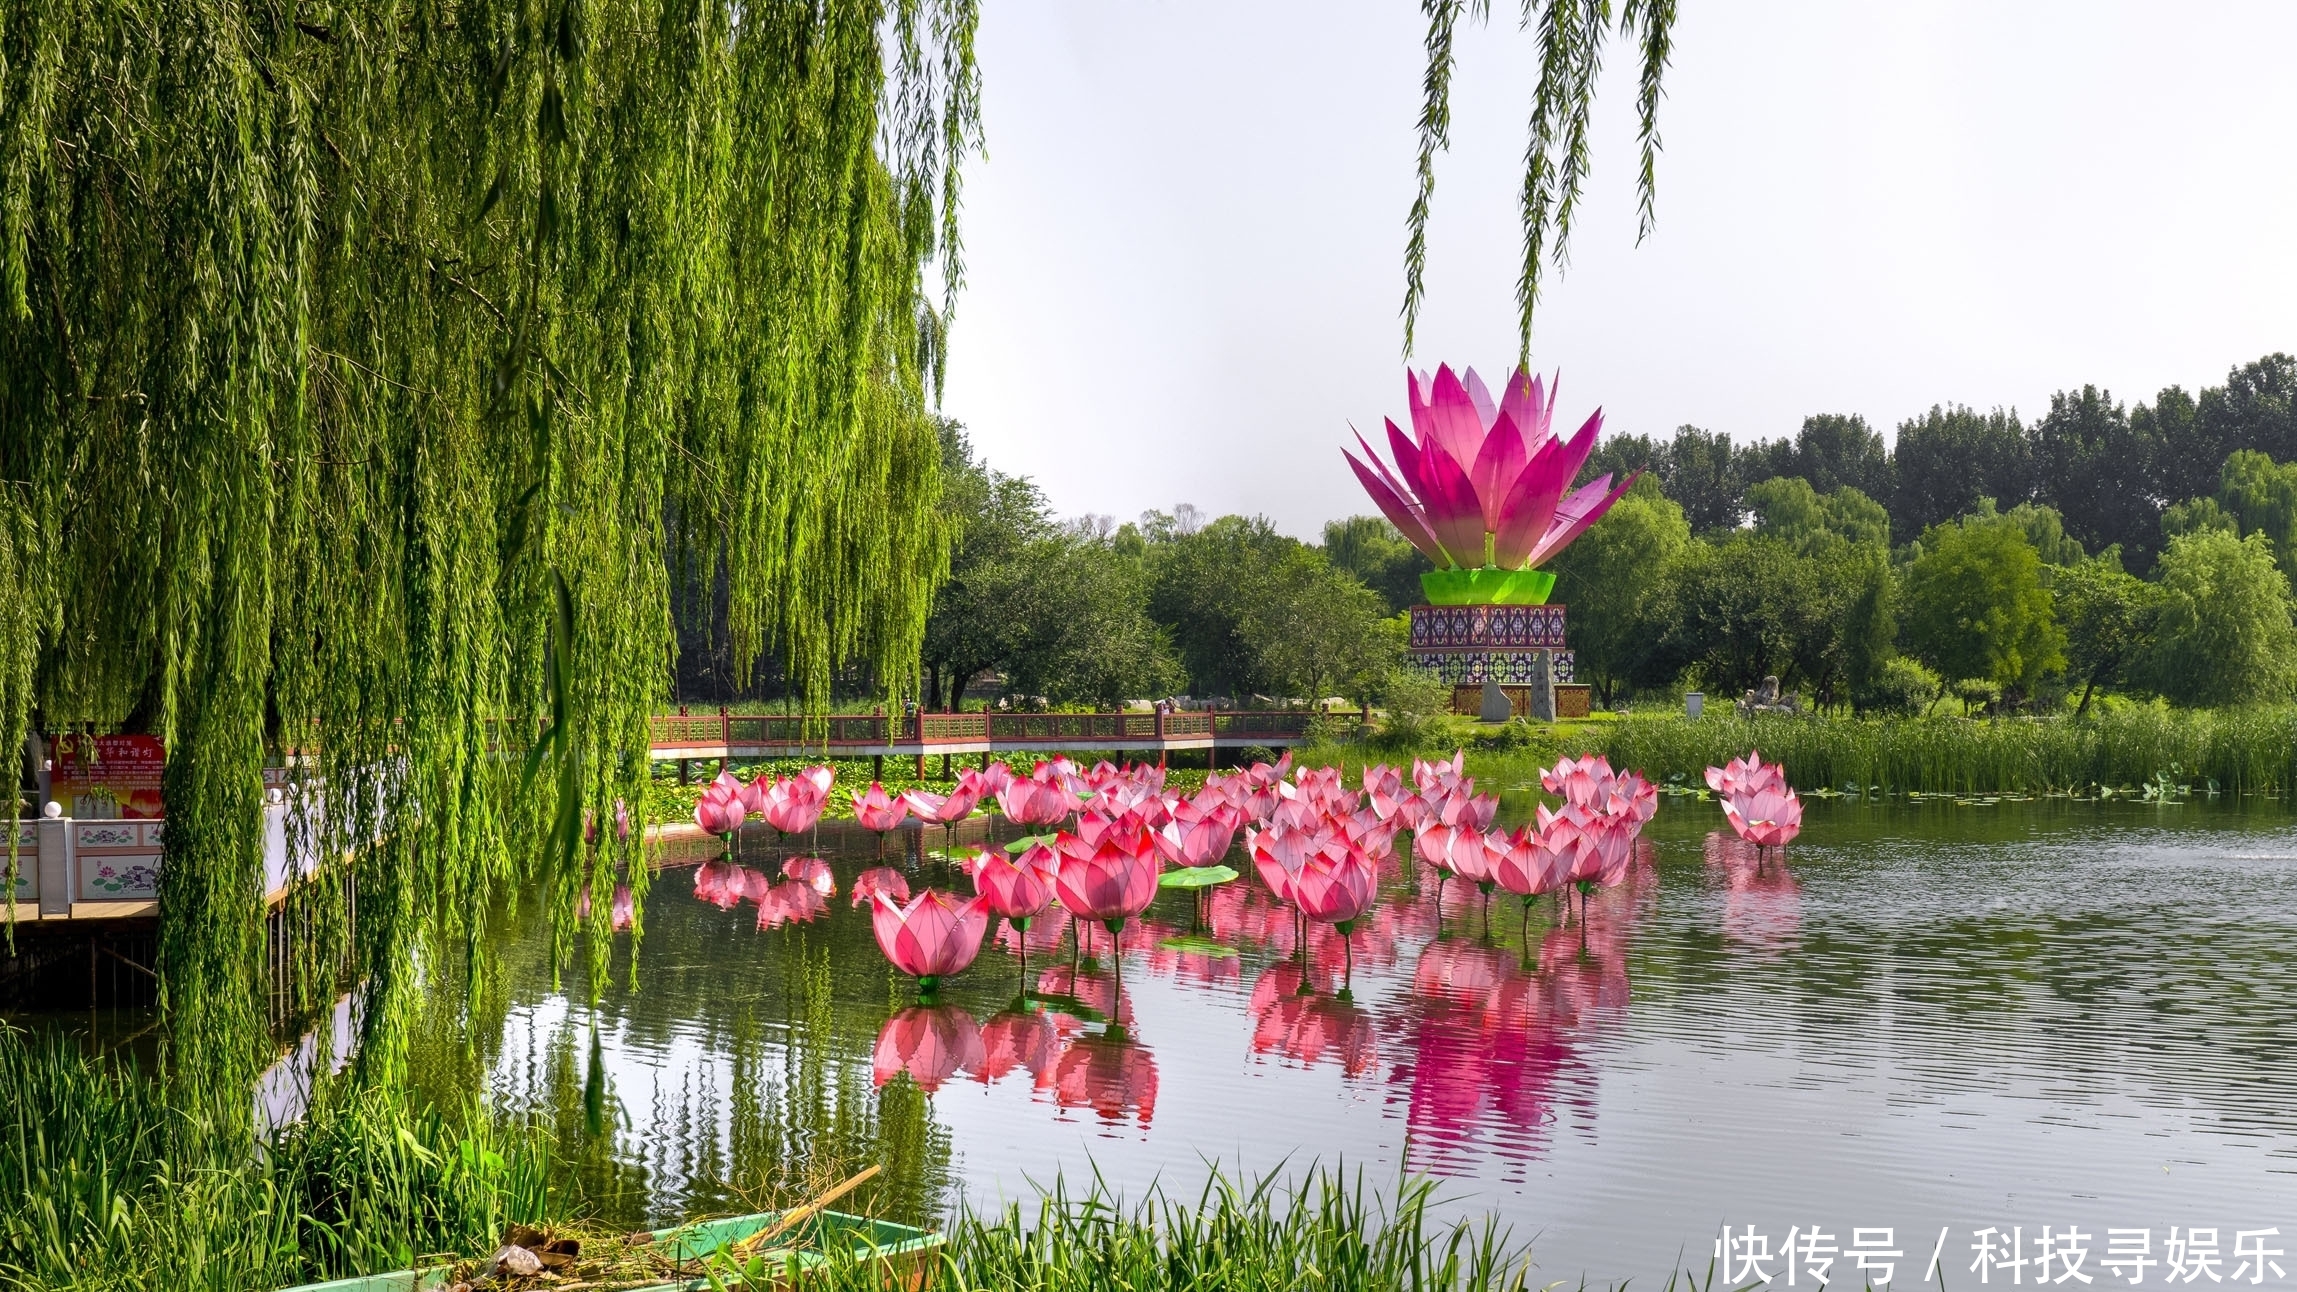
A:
<point x="1019" y="889"/>
<point x="1769" y="817"/>
<point x="1746" y="774"/>
<point x="1111" y="880"/>
<point x="877" y="811"/>
<point x="792" y="804"/>
<point x="947" y="809"/>
<point x="1196" y="837"/>
<point x="933" y="937"/>
<point x="1035" y="802"/>
<point x="720" y="812"/>
<point x="1483" y="488"/>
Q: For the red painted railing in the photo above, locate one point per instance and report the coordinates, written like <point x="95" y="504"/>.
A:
<point x="864" y="731"/>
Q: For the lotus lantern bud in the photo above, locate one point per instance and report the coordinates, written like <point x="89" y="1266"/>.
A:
<point x="1482" y="487"/>
<point x="934" y="936"/>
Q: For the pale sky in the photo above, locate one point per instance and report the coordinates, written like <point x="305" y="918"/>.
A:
<point x="1185" y="246"/>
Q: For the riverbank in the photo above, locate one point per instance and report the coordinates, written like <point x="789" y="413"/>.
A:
<point x="107" y="1186"/>
<point x="2122" y="752"/>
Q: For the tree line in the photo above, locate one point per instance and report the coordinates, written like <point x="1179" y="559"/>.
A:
<point x="1977" y="559"/>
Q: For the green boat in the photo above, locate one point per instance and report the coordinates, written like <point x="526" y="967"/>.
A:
<point x="908" y="1252"/>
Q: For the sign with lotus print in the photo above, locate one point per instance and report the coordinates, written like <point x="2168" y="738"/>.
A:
<point x="118" y="860"/>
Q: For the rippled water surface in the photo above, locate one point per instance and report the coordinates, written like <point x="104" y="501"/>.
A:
<point x="2016" y="1014"/>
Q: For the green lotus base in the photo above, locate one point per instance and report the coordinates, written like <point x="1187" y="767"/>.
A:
<point x="1487" y="587"/>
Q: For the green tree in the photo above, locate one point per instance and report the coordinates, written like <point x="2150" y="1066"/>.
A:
<point x="1836" y="451"/>
<point x="2197" y="514"/>
<point x="993" y="607"/>
<point x="1201" y="587"/>
<point x="1976" y="606"/>
<point x="2223" y="633"/>
<point x="1614" y="583"/>
<point x="1949" y="458"/>
<point x="372" y="371"/>
<point x="1371" y="549"/>
<point x="2108" y="616"/>
<point x="1869" y="627"/>
<point x="1790" y="510"/>
<point x="1090" y="638"/>
<point x="1747" y="608"/>
<point x="1315" y="630"/>
<point x="2262" y="496"/>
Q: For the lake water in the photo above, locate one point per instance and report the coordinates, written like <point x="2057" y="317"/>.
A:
<point x="2029" y="1015"/>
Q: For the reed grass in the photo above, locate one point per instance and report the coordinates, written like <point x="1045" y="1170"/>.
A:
<point x="1321" y="1230"/>
<point x="103" y="1184"/>
<point x="2236" y="751"/>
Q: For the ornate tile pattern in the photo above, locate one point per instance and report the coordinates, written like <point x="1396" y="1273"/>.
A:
<point x="1486" y="627"/>
<point x="1507" y="667"/>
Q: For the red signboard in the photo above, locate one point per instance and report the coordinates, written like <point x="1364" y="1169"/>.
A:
<point x="99" y="777"/>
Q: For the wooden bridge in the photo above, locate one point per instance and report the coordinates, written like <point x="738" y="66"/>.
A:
<point x="760" y="736"/>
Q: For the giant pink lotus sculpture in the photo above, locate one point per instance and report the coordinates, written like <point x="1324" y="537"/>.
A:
<point x="1483" y="488"/>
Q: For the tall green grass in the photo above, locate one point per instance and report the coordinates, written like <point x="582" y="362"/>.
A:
<point x="1321" y="1230"/>
<point x="2244" y="751"/>
<point x="105" y="1185"/>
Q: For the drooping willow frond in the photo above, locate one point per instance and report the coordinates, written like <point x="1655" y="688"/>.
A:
<point x="1570" y="35"/>
<point x="370" y="369"/>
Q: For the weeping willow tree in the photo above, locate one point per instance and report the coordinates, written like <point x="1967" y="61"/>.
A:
<point x="369" y="369"/>
<point x="1571" y="35"/>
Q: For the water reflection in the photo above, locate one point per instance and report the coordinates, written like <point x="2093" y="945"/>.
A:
<point x="1109" y="1073"/>
<point x="1298" y="1017"/>
<point x="930" y="1044"/>
<point x="2023" y="1001"/>
<point x="1762" y="904"/>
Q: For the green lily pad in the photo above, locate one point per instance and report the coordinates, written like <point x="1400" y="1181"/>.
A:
<point x="1197" y="944"/>
<point x="1026" y="842"/>
<point x="1196" y="877"/>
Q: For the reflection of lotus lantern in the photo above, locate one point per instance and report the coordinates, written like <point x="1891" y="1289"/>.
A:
<point x="1309" y="1029"/>
<point x="1021" y="1038"/>
<point x="1480" y="487"/>
<point x="1109" y="1074"/>
<point x="931" y="1043"/>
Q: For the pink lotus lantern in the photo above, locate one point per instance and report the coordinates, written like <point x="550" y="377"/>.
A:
<point x="1034" y="802"/>
<point x="1769" y="817"/>
<point x="876" y="811"/>
<point x="793" y="804"/>
<point x="935" y="936"/>
<point x="719" y="812"/>
<point x="1483" y="487"/>
<point x="1020" y="888"/>
<point x="1746" y="774"/>
<point x="1110" y="881"/>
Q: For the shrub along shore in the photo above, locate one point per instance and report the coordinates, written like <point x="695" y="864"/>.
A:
<point x="2232" y="751"/>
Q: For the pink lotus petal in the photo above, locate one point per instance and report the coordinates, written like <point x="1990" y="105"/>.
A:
<point x="1449" y="420"/>
<point x="1453" y="512"/>
<point x="1566" y="527"/>
<point x="1487" y="411"/>
<point x="1529" y="407"/>
<point x="1496" y="468"/>
<point x="1401" y="514"/>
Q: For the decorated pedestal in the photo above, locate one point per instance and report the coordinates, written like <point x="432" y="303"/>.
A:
<point x="1520" y="648"/>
